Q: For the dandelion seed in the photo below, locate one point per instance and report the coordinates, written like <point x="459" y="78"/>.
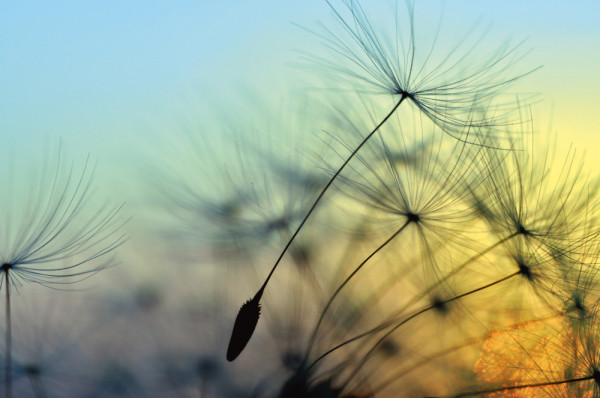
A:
<point x="536" y="195"/>
<point x="445" y="85"/>
<point x="444" y="102"/>
<point x="243" y="191"/>
<point x="52" y="239"/>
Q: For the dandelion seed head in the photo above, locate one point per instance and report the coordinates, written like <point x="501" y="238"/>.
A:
<point x="578" y="306"/>
<point x="296" y="386"/>
<point x="241" y="192"/>
<point x="440" y="81"/>
<point x="533" y="193"/>
<point x="414" y="173"/>
<point x="525" y="271"/>
<point x="51" y="233"/>
<point x="440" y="305"/>
<point x="413" y="217"/>
<point x="521" y="230"/>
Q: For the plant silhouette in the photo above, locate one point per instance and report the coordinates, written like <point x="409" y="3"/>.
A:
<point x="450" y="101"/>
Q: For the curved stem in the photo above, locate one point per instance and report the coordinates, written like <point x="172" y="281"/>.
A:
<point x="427" y="359"/>
<point x="414" y="300"/>
<point x="244" y="328"/>
<point x="416" y="314"/>
<point x="329" y="183"/>
<point x="344" y="283"/>
<point x="521" y="386"/>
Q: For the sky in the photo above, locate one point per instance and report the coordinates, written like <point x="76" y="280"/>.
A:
<point x="114" y="79"/>
<point x="124" y="81"/>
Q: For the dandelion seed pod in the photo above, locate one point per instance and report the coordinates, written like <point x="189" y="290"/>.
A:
<point x="244" y="326"/>
<point x="447" y="86"/>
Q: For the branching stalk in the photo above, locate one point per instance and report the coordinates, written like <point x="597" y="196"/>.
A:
<point x="388" y="323"/>
<point x="341" y="286"/>
<point x="247" y="317"/>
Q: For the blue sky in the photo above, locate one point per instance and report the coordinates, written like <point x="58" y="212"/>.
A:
<point x="108" y="76"/>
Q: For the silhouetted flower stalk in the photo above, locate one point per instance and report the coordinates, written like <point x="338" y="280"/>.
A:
<point x="398" y="375"/>
<point x="249" y="313"/>
<point x="516" y="242"/>
<point x="416" y="299"/>
<point x="435" y="305"/>
<point x="444" y="101"/>
<point x="421" y="199"/>
<point x="455" y="232"/>
<point x="531" y="270"/>
<point x="345" y="282"/>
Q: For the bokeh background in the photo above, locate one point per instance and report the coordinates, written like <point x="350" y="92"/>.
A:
<point x="128" y="82"/>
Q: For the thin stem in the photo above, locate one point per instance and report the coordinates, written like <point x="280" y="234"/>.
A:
<point x="416" y="314"/>
<point x="248" y="314"/>
<point x="414" y="300"/>
<point x="329" y="183"/>
<point x="403" y="372"/>
<point x="380" y="292"/>
<point x="472" y="259"/>
<point x="521" y="386"/>
<point x="341" y="286"/>
<point x="8" y="343"/>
